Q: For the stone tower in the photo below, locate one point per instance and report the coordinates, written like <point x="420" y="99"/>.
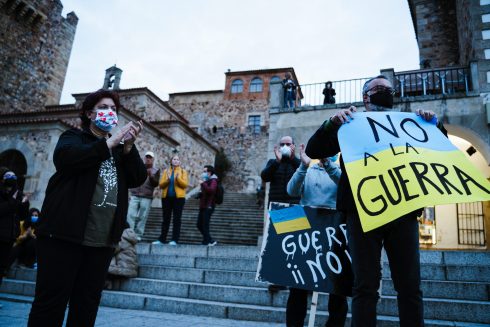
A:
<point x="35" y="47"/>
<point x="112" y="78"/>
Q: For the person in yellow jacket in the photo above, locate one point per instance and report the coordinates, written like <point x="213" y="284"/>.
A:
<point x="173" y="183"/>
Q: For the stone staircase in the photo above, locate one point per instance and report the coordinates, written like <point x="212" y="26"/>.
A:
<point x="220" y="282"/>
<point x="238" y="220"/>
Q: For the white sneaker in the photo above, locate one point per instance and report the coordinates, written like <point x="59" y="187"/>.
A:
<point x="172" y="243"/>
<point x="157" y="242"/>
<point x="213" y="243"/>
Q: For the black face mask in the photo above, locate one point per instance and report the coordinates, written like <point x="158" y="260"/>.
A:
<point x="10" y="183"/>
<point x="382" y="99"/>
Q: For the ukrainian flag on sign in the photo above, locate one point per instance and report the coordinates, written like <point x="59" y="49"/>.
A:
<point x="290" y="219"/>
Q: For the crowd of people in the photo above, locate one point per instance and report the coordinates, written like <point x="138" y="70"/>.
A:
<point x="87" y="227"/>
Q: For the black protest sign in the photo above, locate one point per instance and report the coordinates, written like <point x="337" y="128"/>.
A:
<point x="314" y="258"/>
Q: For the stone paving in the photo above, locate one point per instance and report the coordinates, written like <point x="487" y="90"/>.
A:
<point x="14" y="314"/>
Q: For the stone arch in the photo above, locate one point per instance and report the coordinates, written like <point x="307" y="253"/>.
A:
<point x="25" y="150"/>
<point x="15" y="161"/>
<point x="476" y="140"/>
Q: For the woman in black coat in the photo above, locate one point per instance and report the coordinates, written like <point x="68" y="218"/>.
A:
<point x="84" y="213"/>
<point x="13" y="207"/>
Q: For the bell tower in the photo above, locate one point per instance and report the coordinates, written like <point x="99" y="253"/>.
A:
<point x="112" y="78"/>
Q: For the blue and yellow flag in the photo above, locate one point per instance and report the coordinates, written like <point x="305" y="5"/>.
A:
<point x="398" y="162"/>
<point x="289" y="219"/>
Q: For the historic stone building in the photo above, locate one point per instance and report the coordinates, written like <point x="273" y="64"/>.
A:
<point x="236" y="119"/>
<point x="35" y="45"/>
<point x="36" y="42"/>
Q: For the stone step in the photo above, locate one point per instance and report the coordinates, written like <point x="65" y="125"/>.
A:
<point x="446" y="290"/>
<point x="201" y="263"/>
<point x="451" y="310"/>
<point x="469" y="273"/>
<point x="228" y="251"/>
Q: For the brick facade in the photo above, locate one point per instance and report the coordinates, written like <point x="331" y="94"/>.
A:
<point x="222" y="117"/>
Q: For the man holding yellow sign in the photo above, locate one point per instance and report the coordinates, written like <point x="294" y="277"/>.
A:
<point x="395" y="164"/>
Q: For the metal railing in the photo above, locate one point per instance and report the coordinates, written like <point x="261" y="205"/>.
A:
<point x="471" y="223"/>
<point x="347" y="91"/>
<point x="433" y="81"/>
<point x="409" y="83"/>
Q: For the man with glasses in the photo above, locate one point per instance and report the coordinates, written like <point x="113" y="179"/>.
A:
<point x="399" y="237"/>
<point x="278" y="172"/>
<point x="141" y="197"/>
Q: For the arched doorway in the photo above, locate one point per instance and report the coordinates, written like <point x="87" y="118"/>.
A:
<point x="464" y="225"/>
<point x="15" y="161"/>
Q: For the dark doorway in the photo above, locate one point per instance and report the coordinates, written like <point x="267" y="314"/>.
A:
<point x="16" y="162"/>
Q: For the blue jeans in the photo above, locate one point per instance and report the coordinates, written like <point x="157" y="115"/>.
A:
<point x="400" y="239"/>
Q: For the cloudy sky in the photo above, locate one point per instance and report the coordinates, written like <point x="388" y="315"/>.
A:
<point x="187" y="45"/>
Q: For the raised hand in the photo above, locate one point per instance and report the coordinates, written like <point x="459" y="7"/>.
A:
<point x="343" y="116"/>
<point x="302" y="155"/>
<point x="428" y="115"/>
<point x="116" y="138"/>
<point x="292" y="147"/>
<point x="131" y="135"/>
<point x="278" y="154"/>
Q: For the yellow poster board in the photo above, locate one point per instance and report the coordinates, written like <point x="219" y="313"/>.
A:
<point x="398" y="162"/>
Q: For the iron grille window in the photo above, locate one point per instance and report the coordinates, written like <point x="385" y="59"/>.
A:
<point x="254" y="123"/>
<point x="471" y="228"/>
<point x="237" y="86"/>
<point x="256" y="85"/>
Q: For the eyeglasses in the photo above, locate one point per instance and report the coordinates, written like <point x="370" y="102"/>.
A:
<point x="283" y="144"/>
<point x="380" y="88"/>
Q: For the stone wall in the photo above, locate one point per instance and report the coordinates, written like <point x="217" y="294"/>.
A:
<point x="468" y="13"/>
<point x="35" y="46"/>
<point x="193" y="152"/>
<point x="436" y="30"/>
<point x="224" y="123"/>
<point x="36" y="142"/>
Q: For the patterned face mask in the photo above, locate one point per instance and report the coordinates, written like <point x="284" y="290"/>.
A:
<point x="105" y="119"/>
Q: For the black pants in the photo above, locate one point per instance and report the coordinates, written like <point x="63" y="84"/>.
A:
<point x="5" y="248"/>
<point x="297" y="307"/>
<point x="24" y="252"/>
<point x="171" y="205"/>
<point x="68" y="272"/>
<point x="400" y="239"/>
<point x="203" y="224"/>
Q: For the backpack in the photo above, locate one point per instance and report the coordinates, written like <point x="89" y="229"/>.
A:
<point x="220" y="193"/>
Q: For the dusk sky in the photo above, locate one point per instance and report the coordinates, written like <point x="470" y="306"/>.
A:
<point x="179" y="46"/>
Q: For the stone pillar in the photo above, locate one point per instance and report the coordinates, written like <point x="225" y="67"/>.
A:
<point x="276" y="95"/>
<point x="390" y="74"/>
<point x="475" y="81"/>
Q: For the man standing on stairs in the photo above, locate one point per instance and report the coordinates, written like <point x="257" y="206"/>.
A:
<point x="278" y="172"/>
<point x="400" y="238"/>
<point x="141" y="197"/>
<point x="209" y="185"/>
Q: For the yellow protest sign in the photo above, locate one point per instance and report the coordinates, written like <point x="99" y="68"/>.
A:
<point x="398" y="162"/>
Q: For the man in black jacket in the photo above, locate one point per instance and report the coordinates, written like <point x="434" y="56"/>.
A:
<point x="279" y="171"/>
<point x="399" y="237"/>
